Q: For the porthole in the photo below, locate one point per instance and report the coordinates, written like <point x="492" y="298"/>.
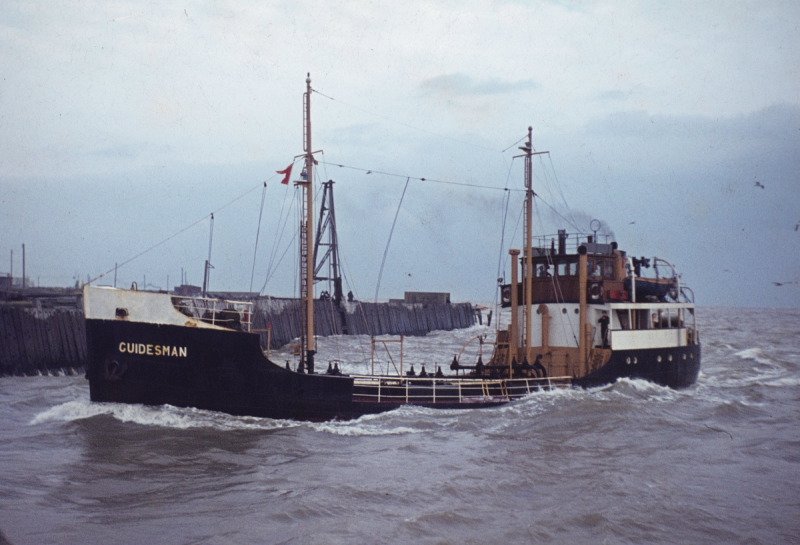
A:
<point x="691" y="356"/>
<point x="635" y="360"/>
<point x="576" y="311"/>
<point x="658" y="358"/>
<point x="563" y="311"/>
<point x="684" y="357"/>
<point x="628" y="360"/>
<point x="669" y="358"/>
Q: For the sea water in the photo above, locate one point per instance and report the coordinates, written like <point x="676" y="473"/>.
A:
<point x="628" y="463"/>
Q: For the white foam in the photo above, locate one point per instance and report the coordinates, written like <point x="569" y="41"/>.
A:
<point x="755" y="354"/>
<point x="357" y="428"/>
<point x="783" y="381"/>
<point x="637" y="388"/>
<point x="165" y="416"/>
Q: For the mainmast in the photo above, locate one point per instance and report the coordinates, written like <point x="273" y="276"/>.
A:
<point x="306" y="246"/>
<point x="528" y="271"/>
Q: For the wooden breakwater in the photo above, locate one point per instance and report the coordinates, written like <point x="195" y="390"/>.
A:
<point x="36" y="340"/>
<point x="284" y="318"/>
<point x="47" y="335"/>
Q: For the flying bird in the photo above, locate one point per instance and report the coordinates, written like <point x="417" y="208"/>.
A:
<point x="797" y="226"/>
<point x="759" y="184"/>
<point x="631" y="222"/>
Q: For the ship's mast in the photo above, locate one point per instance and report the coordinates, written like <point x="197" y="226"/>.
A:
<point x="528" y="271"/>
<point x="310" y="343"/>
<point x="528" y="149"/>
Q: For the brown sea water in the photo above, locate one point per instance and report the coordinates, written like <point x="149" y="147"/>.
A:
<point x="629" y="463"/>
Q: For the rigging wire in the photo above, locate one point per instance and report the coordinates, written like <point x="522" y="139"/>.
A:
<point x="500" y="268"/>
<point x="170" y="237"/>
<point x="449" y="182"/>
<point x="503" y="229"/>
<point x="391" y="231"/>
<point x="432" y="180"/>
<point x="574" y="223"/>
<point x="258" y="232"/>
<point x="515" y="143"/>
<point x="362" y="312"/>
<point x="272" y="266"/>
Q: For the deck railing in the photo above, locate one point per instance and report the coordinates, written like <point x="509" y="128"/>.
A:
<point x="221" y="312"/>
<point x="447" y="390"/>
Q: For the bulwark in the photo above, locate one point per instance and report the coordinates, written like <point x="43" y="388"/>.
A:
<point x="143" y="349"/>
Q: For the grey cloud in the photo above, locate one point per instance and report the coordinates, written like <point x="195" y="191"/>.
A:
<point x="612" y="95"/>
<point x="465" y="85"/>
<point x="776" y="121"/>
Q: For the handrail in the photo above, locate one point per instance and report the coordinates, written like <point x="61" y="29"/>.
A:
<point x="439" y="390"/>
<point x="223" y="312"/>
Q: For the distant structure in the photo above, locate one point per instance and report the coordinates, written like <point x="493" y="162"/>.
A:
<point x="188" y="290"/>
<point x="427" y="297"/>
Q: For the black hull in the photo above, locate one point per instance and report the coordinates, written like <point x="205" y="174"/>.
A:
<point x="676" y="367"/>
<point x="222" y="371"/>
<point x="226" y="371"/>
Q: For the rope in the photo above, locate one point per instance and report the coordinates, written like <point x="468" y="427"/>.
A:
<point x="391" y="231"/>
<point x="283" y="222"/>
<point x="503" y="231"/>
<point x="432" y="180"/>
<point x="164" y="241"/>
<point x="561" y="192"/>
<point x="258" y="232"/>
<point x="502" y="243"/>
<point x="524" y="136"/>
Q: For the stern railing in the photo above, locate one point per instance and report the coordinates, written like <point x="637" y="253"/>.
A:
<point x="448" y="390"/>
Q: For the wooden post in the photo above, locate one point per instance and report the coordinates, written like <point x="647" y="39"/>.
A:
<point x="545" y="312"/>
<point x="513" y="334"/>
<point x="582" y="285"/>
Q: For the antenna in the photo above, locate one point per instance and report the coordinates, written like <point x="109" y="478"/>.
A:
<point x="208" y="266"/>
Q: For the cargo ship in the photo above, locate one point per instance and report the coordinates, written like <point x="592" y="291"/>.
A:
<point x="580" y="314"/>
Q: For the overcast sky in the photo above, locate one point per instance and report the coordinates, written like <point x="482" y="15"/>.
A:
<point x="124" y="124"/>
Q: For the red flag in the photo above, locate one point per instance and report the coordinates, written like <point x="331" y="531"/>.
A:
<point x="287" y="173"/>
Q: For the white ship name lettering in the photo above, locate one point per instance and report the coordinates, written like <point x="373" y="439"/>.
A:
<point x="143" y="349"/>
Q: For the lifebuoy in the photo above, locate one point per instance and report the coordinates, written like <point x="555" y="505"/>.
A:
<point x="595" y="291"/>
<point x="505" y="293"/>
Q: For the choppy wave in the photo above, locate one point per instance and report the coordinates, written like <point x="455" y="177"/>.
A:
<point x="168" y="416"/>
<point x="636" y="462"/>
<point x="165" y="416"/>
<point x="756" y="354"/>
